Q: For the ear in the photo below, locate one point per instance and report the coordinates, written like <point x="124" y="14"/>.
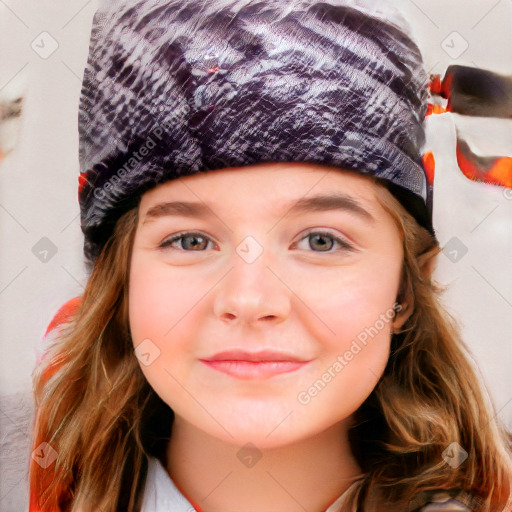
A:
<point x="427" y="263"/>
<point x="401" y="316"/>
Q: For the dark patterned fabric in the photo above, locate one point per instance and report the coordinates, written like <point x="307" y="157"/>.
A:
<point x="173" y="88"/>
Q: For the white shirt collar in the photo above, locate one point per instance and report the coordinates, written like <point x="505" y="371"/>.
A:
<point x="162" y="495"/>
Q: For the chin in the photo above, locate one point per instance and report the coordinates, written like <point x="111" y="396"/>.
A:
<point x="252" y="436"/>
<point x="267" y="430"/>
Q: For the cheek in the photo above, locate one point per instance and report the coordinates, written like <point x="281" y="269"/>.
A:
<point x="157" y="312"/>
<point x="159" y="299"/>
<point x="147" y="298"/>
<point x="352" y="300"/>
<point x="352" y="318"/>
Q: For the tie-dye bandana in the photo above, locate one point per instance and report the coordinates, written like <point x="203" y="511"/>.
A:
<point x="173" y="88"/>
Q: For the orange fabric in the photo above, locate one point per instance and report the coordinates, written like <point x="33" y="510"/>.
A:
<point x="499" y="172"/>
<point x="66" y="310"/>
<point x="435" y="109"/>
<point x="429" y="163"/>
<point x="41" y="478"/>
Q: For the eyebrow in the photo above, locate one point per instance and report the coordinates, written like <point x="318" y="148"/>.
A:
<point x="319" y="203"/>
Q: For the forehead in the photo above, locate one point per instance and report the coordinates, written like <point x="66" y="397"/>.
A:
<point x="268" y="193"/>
<point x="268" y="184"/>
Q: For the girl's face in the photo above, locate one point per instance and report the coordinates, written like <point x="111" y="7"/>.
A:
<point x="261" y="298"/>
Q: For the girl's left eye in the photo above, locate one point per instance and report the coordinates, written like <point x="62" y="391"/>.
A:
<point x="318" y="239"/>
<point x="199" y="241"/>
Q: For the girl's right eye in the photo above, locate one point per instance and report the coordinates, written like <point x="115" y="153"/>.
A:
<point x="197" y="240"/>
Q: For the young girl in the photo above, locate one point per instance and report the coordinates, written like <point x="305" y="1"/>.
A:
<point x="260" y="331"/>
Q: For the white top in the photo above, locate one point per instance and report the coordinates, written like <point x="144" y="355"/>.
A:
<point x="162" y="495"/>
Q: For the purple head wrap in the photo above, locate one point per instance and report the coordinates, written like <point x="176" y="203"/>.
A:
<point x="173" y="88"/>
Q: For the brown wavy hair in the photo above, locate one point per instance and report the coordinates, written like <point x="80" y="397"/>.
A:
<point x="97" y="410"/>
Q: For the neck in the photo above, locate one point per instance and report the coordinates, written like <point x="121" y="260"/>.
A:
<point x="218" y="477"/>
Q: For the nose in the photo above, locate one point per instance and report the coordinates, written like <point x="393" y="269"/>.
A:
<point x="252" y="293"/>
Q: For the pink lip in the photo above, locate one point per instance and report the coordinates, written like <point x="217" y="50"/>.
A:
<point x="254" y="365"/>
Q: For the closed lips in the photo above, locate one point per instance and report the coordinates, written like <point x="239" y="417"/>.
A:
<point x="256" y="365"/>
<point x="261" y="356"/>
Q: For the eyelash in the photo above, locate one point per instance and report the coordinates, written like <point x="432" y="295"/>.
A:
<point x="167" y="242"/>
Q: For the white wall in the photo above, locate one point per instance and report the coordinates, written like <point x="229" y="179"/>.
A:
<point x="38" y="198"/>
